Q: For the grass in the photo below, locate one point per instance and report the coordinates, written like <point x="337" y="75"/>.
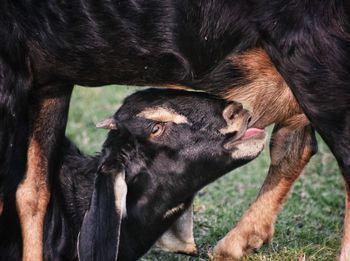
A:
<point x="310" y="224"/>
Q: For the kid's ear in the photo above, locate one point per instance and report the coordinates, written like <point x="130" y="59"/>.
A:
<point x="109" y="123"/>
<point x="100" y="232"/>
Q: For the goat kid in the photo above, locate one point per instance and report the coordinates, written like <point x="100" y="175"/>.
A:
<point x="164" y="146"/>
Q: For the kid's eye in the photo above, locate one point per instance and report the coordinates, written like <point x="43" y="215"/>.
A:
<point x="157" y="130"/>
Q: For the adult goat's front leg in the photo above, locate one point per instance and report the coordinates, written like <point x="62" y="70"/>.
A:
<point x="48" y="116"/>
<point x="291" y="148"/>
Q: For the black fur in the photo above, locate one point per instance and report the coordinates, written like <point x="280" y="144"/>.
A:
<point x="46" y="45"/>
<point x="161" y="173"/>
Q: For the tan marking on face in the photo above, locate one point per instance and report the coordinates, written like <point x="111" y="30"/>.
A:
<point x="235" y="117"/>
<point x="161" y="114"/>
<point x="262" y="90"/>
<point x="236" y="125"/>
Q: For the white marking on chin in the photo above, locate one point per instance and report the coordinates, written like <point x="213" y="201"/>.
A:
<point x="248" y="148"/>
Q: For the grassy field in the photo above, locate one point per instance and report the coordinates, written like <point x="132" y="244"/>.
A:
<point x="308" y="228"/>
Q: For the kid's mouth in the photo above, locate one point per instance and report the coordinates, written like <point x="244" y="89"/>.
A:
<point x="249" y="134"/>
<point x="252" y="133"/>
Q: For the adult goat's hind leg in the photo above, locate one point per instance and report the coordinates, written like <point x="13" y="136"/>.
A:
<point x="291" y="148"/>
<point x="343" y="156"/>
<point x="48" y="121"/>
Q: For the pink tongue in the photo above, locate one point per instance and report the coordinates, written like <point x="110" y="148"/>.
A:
<point x="251" y="132"/>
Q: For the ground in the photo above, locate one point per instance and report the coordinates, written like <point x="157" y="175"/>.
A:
<point x="308" y="228"/>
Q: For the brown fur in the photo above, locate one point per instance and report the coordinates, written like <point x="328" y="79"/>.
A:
<point x="32" y="198"/>
<point x="33" y="193"/>
<point x="264" y="92"/>
<point x="290" y="152"/>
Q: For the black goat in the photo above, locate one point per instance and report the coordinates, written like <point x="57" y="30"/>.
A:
<point x="227" y="47"/>
<point x="164" y="146"/>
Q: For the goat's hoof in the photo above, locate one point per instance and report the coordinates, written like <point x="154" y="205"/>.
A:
<point x="237" y="243"/>
<point x="189" y="249"/>
<point x="344" y="255"/>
